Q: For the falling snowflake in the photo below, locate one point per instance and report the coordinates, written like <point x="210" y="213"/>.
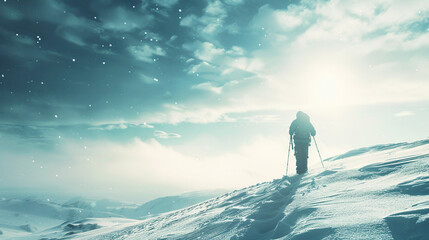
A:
<point x="56" y="116"/>
<point x="155" y="79"/>
<point x="74" y="60"/>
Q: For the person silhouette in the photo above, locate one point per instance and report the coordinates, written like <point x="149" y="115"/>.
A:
<point x="300" y="130"/>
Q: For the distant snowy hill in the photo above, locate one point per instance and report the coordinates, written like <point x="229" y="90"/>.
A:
<point x="379" y="192"/>
<point x="20" y="217"/>
<point x="170" y="203"/>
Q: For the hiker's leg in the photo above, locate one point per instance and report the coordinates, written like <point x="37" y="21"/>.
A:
<point x="301" y="157"/>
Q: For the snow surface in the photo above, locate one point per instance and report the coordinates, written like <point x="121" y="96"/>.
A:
<point x="379" y="192"/>
<point x="376" y="193"/>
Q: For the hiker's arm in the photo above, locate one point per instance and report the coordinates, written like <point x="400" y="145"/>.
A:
<point x="312" y="130"/>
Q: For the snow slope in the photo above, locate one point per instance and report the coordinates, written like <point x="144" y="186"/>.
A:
<point x="381" y="192"/>
<point x="171" y="203"/>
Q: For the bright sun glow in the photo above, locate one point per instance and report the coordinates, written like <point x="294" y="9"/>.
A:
<point x="328" y="84"/>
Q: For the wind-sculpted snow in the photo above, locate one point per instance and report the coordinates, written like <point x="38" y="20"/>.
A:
<point x="377" y="194"/>
<point x="410" y="224"/>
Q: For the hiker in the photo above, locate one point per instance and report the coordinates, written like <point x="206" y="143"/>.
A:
<point x="300" y="130"/>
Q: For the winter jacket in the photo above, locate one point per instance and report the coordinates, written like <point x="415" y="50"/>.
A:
<point x="301" y="128"/>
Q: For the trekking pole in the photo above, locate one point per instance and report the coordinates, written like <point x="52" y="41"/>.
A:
<point x="315" y="143"/>
<point x="288" y="153"/>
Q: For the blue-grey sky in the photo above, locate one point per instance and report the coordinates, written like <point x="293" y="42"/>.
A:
<point x="137" y="99"/>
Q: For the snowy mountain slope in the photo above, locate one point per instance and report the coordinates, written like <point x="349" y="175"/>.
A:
<point x="24" y="217"/>
<point x="379" y="193"/>
<point x="171" y="203"/>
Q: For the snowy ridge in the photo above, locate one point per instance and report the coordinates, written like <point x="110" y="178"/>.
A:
<point x="381" y="193"/>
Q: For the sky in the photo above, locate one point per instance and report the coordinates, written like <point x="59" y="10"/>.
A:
<point x="132" y="100"/>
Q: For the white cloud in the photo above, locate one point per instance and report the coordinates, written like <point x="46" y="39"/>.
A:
<point x="164" y="135"/>
<point x="124" y="20"/>
<point x="203" y="68"/>
<point x="122" y="125"/>
<point x="148" y="80"/>
<point x="280" y="21"/>
<point x="215" y="8"/>
<point x="262" y="118"/>
<point x="404" y="114"/>
<point x="196" y="113"/>
<point x="236" y="51"/>
<point x="234" y="2"/>
<point x="188" y="21"/>
<point x="211" y="23"/>
<point x="218" y="64"/>
<point x="207" y="51"/>
<point x="146" y="52"/>
<point x="208" y="87"/>
<point x="166" y="3"/>
<point x="73" y="38"/>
